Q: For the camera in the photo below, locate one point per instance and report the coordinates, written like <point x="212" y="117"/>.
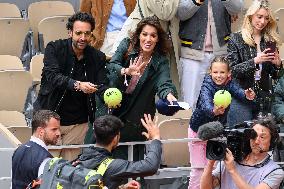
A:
<point x="237" y="140"/>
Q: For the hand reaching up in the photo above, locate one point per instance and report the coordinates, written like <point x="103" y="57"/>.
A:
<point x="153" y="131"/>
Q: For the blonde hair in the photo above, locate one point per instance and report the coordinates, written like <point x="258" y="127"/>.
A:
<point x="270" y="30"/>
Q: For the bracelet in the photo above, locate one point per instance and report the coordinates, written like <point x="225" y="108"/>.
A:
<point x="77" y="85"/>
<point x="123" y="72"/>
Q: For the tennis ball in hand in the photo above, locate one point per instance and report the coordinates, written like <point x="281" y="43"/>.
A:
<point x="112" y="97"/>
<point x="222" y="98"/>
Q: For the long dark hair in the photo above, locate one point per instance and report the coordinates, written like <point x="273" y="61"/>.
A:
<point x="163" y="44"/>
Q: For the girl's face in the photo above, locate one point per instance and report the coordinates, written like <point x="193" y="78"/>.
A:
<point x="260" y="19"/>
<point x="148" y="38"/>
<point x="220" y="73"/>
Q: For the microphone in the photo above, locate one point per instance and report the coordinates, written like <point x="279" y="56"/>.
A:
<point x="210" y="130"/>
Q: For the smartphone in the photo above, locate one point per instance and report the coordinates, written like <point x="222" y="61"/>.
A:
<point x="271" y="45"/>
<point x="99" y="86"/>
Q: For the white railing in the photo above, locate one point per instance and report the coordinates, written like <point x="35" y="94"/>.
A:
<point x="161" y="173"/>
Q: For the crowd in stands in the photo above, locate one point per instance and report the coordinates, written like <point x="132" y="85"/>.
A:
<point x="136" y="46"/>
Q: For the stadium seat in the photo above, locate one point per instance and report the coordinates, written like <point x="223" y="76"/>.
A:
<point x="36" y="67"/>
<point x="8" y="62"/>
<point x="40" y="10"/>
<point x="50" y="29"/>
<point x="8" y="10"/>
<point x="16" y="123"/>
<point x="247" y="3"/>
<point x="15" y="88"/>
<point x="12" y="118"/>
<point x="279" y="14"/>
<point x="12" y="36"/>
<point x="7" y="140"/>
<point x="276" y="4"/>
<point x="175" y="154"/>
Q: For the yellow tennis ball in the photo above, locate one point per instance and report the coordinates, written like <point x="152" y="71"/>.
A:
<point x="222" y="98"/>
<point x="112" y="97"/>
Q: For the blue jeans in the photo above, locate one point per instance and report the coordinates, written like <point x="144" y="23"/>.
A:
<point x="239" y="112"/>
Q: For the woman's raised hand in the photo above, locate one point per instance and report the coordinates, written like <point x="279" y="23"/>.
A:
<point x="135" y="66"/>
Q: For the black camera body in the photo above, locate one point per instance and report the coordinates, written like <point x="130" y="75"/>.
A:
<point x="238" y="141"/>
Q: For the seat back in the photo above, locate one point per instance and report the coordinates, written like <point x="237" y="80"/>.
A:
<point x="42" y="9"/>
<point x="8" y="10"/>
<point x="12" y="118"/>
<point x="279" y="15"/>
<point x="177" y="153"/>
<point x="14" y="93"/>
<point x="7" y="140"/>
<point x="52" y="28"/>
<point x="8" y="62"/>
<point x="36" y="67"/>
<point x="275" y="5"/>
<point x="16" y="123"/>
<point x="12" y="35"/>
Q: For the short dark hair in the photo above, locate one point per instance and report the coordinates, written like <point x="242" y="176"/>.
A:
<point x="268" y="121"/>
<point x="106" y="128"/>
<point x="80" y="16"/>
<point x="41" y="117"/>
<point x="162" y="46"/>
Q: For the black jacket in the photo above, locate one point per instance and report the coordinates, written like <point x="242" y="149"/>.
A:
<point x="119" y="170"/>
<point x="59" y="60"/>
<point x="241" y="57"/>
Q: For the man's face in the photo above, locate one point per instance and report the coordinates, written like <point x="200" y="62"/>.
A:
<point x="51" y="132"/>
<point x="81" y="35"/>
<point x="262" y="142"/>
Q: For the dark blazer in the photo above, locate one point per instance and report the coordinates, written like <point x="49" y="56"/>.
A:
<point x="59" y="60"/>
<point x="241" y="57"/>
<point x="26" y="161"/>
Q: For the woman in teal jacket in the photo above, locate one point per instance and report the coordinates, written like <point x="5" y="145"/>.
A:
<point x="140" y="69"/>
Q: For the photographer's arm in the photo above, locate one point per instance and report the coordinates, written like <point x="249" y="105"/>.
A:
<point x="208" y="181"/>
<point x="237" y="178"/>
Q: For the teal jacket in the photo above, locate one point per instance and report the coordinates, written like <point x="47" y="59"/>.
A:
<point x="154" y="81"/>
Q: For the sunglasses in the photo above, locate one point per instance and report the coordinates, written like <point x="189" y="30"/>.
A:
<point x="81" y="33"/>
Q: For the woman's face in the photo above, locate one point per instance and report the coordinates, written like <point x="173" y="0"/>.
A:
<point x="260" y="19"/>
<point x="148" y="38"/>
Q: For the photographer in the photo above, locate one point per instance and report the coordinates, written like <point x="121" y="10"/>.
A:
<point x="256" y="170"/>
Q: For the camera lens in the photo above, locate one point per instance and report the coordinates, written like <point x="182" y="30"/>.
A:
<point x="215" y="150"/>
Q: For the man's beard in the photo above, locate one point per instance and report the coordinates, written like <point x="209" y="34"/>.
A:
<point x="49" y="141"/>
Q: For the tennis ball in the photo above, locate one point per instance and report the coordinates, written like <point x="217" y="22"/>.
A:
<point x="222" y="98"/>
<point x="112" y="97"/>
